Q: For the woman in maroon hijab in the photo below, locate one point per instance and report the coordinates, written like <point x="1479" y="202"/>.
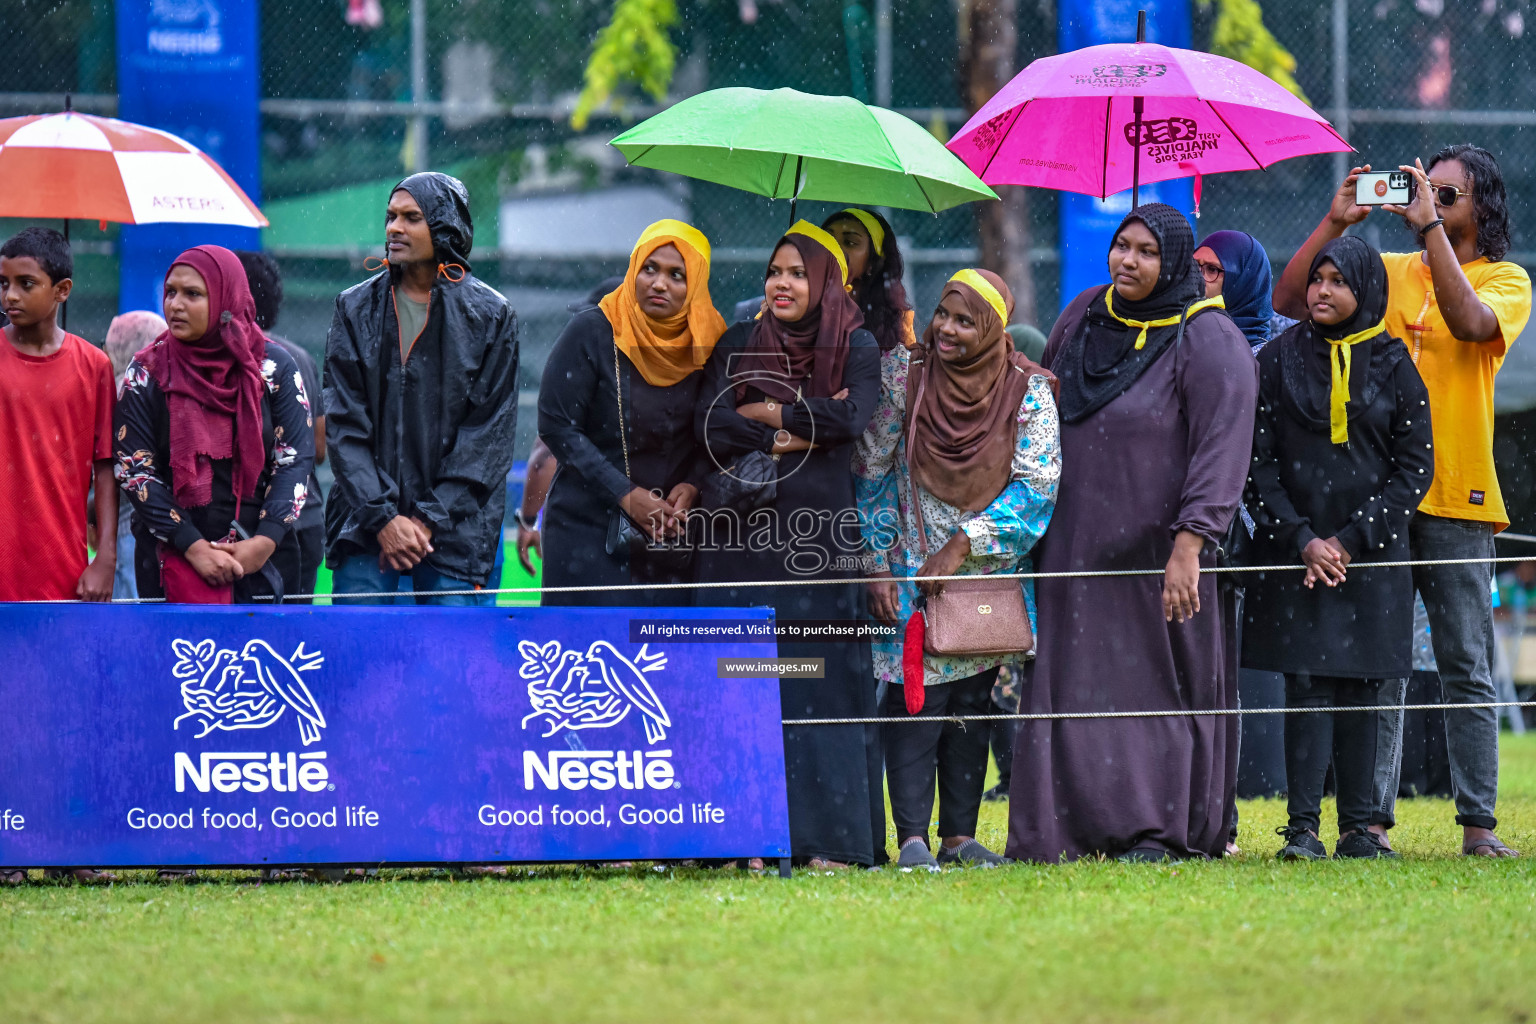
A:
<point x="214" y="441"/>
<point x="800" y="384"/>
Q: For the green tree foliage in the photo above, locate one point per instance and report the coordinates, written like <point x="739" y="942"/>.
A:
<point x="634" y="47"/>
<point x="1240" y="33"/>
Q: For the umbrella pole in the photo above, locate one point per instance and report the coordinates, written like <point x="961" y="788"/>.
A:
<point x="1141" y="37"/>
<point x="64" y="306"/>
<point x="69" y="105"/>
<point x="1136" y="157"/>
<point x="794" y="197"/>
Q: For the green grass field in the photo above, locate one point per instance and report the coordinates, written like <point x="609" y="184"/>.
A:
<point x="1433" y="937"/>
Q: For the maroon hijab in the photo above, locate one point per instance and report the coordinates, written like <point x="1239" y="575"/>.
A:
<point x="213" y="385"/>
<point x="781" y="357"/>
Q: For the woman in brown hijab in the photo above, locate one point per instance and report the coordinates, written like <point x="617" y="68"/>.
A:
<point x="968" y="428"/>
<point x="800" y="384"/>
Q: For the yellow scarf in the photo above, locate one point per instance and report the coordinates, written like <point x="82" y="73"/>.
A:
<point x="666" y="351"/>
<point x="1338" y="369"/>
<point x="1168" y="321"/>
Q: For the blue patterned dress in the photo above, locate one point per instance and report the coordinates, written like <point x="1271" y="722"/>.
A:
<point x="1002" y="535"/>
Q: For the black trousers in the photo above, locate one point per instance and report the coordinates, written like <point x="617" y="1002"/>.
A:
<point x="1426" y="765"/>
<point x="1001" y="733"/>
<point x="956" y="752"/>
<point x="1313" y="739"/>
<point x="311" y="554"/>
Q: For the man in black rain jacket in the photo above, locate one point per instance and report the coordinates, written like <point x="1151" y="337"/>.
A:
<point x="421" y="406"/>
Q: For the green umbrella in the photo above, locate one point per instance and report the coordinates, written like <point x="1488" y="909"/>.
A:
<point x="791" y="145"/>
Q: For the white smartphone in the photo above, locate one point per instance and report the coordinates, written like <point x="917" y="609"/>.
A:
<point x="1378" y="188"/>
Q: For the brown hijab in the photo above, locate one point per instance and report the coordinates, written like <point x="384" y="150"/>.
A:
<point x="961" y="408"/>
<point x="784" y="359"/>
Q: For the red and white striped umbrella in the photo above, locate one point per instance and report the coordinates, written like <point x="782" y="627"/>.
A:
<point x="75" y="166"/>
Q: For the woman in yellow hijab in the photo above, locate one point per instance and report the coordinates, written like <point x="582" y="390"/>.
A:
<point x="616" y="408"/>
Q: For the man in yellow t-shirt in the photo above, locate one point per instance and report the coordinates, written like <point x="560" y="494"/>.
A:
<point x="1458" y="306"/>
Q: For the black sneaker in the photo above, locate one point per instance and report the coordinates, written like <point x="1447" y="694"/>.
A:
<point x="970" y="854"/>
<point x="1362" y="845"/>
<point x="914" y="856"/>
<point x="1300" y="844"/>
<point x="996" y="794"/>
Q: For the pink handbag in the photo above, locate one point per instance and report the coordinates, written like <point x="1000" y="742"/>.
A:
<point x="973" y="617"/>
<point x="183" y="585"/>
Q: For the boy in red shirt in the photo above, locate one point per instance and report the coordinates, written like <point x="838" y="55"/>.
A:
<point x="56" y="395"/>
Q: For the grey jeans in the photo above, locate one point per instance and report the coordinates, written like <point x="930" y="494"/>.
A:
<point x="1460" y="608"/>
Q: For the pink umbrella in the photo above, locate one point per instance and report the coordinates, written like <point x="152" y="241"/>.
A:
<point x="1070" y="122"/>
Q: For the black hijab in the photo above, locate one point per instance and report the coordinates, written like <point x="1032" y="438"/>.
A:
<point x="1101" y="361"/>
<point x="1306" y="373"/>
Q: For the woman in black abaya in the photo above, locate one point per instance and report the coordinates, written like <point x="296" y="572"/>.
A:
<point x="1342" y="455"/>
<point x="801" y="383"/>
<point x="616" y="409"/>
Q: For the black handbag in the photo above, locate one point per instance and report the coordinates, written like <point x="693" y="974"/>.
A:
<point x="627" y="540"/>
<point x="748" y="484"/>
<point x="1237" y="547"/>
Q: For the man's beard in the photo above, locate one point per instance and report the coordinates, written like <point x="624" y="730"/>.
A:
<point x="1457" y="236"/>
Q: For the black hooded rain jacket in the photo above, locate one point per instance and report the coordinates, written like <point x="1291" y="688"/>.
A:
<point x="430" y="436"/>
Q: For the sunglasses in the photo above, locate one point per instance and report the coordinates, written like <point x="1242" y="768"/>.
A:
<point x="1446" y="195"/>
<point x="1210" y="271"/>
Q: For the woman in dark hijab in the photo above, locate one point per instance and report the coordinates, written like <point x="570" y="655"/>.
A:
<point x="214" y="443"/>
<point x="1342" y="455"/>
<point x="1235" y="266"/>
<point x="1156" y="402"/>
<point x="972" y="435"/>
<point x="799" y="385"/>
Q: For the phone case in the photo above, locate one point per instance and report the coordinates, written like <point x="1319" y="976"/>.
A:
<point x="1379" y="188"/>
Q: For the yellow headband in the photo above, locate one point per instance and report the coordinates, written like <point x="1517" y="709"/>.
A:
<point x="677" y="229"/>
<point x="826" y="241"/>
<point x="876" y="232"/>
<point x="981" y="286"/>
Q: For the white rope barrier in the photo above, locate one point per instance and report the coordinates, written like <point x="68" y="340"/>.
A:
<point x="961" y="719"/>
<point x="1193" y="713"/>
<point x="828" y="581"/>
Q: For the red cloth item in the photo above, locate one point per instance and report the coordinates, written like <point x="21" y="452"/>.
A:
<point x="182" y="583"/>
<point x="912" y="662"/>
<point x="55" y="423"/>
<point x="779" y="354"/>
<point x="213" y="385"/>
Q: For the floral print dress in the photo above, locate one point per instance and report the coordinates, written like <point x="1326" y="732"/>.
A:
<point x="1002" y="535"/>
<point x="142" y="457"/>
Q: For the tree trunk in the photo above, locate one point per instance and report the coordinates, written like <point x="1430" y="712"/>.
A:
<point x="989" y="46"/>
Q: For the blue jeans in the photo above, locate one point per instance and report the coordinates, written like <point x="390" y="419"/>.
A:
<point x="361" y="574"/>
<point x="125" y="584"/>
<point x="1460" y="608"/>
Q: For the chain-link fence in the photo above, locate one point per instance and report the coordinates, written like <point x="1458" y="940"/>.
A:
<point x="345" y="112"/>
